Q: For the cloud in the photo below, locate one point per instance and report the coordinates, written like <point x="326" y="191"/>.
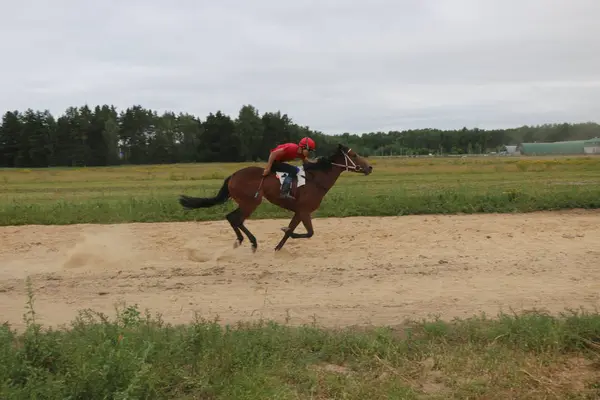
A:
<point x="334" y="65"/>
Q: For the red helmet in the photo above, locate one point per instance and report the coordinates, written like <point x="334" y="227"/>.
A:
<point x="307" y="143"/>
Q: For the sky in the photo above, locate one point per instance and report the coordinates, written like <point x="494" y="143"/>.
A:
<point x="333" y="65"/>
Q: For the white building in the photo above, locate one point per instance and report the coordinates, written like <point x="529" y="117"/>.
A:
<point x="592" y="146"/>
<point x="510" y="150"/>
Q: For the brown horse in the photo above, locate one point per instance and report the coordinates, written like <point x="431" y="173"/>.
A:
<point x="247" y="186"/>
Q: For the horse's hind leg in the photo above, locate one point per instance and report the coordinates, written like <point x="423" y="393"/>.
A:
<point x="233" y="218"/>
<point x="251" y="237"/>
<point x="236" y="218"/>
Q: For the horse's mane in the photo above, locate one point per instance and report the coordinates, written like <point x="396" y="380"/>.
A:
<point x="322" y="164"/>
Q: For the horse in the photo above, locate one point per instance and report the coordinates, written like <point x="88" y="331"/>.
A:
<point x="247" y="187"/>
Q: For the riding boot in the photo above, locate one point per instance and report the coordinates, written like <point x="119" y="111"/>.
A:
<point x="286" y="188"/>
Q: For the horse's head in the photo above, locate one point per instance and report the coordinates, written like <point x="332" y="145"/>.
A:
<point x="350" y="160"/>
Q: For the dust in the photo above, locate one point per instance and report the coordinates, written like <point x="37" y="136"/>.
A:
<point x="111" y="247"/>
<point x="201" y="253"/>
<point x="198" y="255"/>
<point x="230" y="251"/>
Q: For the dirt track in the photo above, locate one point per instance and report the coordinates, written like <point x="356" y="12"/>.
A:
<point x="353" y="271"/>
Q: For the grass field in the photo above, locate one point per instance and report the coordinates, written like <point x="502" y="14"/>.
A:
<point x="137" y="356"/>
<point x="398" y="186"/>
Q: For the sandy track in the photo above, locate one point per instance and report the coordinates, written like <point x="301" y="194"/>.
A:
<point x="353" y="271"/>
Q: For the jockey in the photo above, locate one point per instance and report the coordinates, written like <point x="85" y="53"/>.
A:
<point x="288" y="152"/>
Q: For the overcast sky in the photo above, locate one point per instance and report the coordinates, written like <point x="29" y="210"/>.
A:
<point x="334" y="65"/>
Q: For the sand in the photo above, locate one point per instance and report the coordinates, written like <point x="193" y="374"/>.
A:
<point x="353" y="271"/>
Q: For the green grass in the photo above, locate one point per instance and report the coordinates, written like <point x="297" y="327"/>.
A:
<point x="397" y="187"/>
<point x="137" y="356"/>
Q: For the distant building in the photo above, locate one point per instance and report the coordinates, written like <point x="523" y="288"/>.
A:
<point x="554" y="148"/>
<point x="510" y="150"/>
<point x="592" y="146"/>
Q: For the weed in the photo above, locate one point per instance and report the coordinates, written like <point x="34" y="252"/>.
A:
<point x="532" y="355"/>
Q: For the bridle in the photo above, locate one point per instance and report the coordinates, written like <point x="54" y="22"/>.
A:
<point x="349" y="165"/>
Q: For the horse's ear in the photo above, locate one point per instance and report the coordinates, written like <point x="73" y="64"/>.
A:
<point x="342" y="147"/>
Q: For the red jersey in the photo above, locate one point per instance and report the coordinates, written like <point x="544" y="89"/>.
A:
<point x="290" y="152"/>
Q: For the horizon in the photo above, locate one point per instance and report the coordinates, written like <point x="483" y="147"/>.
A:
<point x="294" y="121"/>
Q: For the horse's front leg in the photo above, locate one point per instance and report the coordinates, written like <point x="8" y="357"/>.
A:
<point x="288" y="231"/>
<point x="307" y="222"/>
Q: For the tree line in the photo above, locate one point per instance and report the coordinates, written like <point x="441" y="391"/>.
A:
<point x="102" y="135"/>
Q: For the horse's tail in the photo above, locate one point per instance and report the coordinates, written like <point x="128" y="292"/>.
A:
<point x="204" y="202"/>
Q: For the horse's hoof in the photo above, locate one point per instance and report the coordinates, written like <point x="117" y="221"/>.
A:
<point x="237" y="244"/>
<point x="285" y="229"/>
<point x="254" y="249"/>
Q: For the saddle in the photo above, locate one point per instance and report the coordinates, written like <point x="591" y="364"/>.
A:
<point x="293" y="184"/>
